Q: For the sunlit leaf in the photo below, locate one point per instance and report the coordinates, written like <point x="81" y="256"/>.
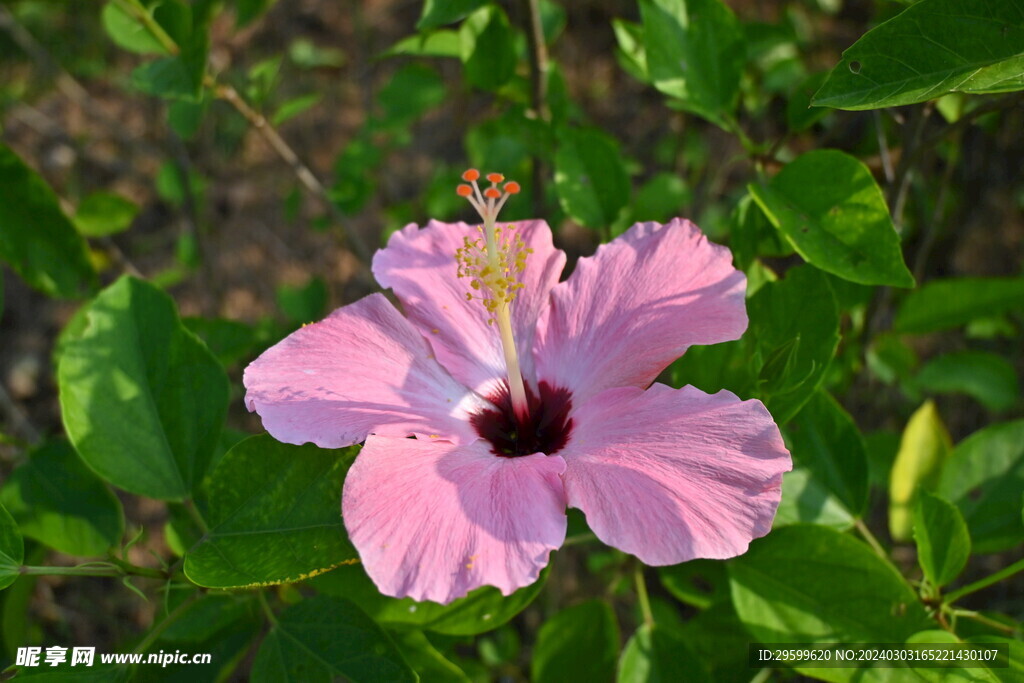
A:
<point x="658" y="653"/>
<point x="806" y="583"/>
<point x="488" y="49"/>
<point x="143" y="399"/>
<point x="590" y="177"/>
<point x="985" y="477"/>
<point x="924" y="449"/>
<point x="943" y="544"/>
<point x="832" y="211"/>
<point x="695" y="54"/>
<point x="104" y="213"/>
<point x="931" y="48"/>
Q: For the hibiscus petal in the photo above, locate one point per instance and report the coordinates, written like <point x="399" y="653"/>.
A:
<point x="636" y="305"/>
<point x="670" y="475"/>
<point x="434" y="520"/>
<point x="364" y="369"/>
<point x="419" y="265"/>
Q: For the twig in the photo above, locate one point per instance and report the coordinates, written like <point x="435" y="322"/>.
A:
<point x="641" y="595"/>
<point x="900" y="184"/>
<point x="539" y="79"/>
<point x="302" y="172"/>
<point x="1003" y="573"/>
<point x="883" y="148"/>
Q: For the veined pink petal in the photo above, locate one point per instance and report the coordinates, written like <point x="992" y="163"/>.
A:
<point x="364" y="369"/>
<point x="434" y="520"/>
<point x="635" y="306"/>
<point x="419" y="265"/>
<point x="670" y="475"/>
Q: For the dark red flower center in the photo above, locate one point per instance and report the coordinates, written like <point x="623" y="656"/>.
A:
<point x="545" y="429"/>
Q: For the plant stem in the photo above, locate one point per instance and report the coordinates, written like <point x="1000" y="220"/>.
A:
<point x="301" y="170"/>
<point x="1004" y="573"/>
<point x="982" y="619"/>
<point x="538" y="52"/>
<point x="579" y="539"/>
<point x="158" y="630"/>
<point x="141" y="14"/>
<point x="870" y="538"/>
<point x="197" y="518"/>
<point x="641" y="595"/>
<point x="266" y="607"/>
<point x="118" y="569"/>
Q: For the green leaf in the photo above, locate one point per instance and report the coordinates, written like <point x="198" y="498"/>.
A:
<point x="806" y="500"/>
<point x="941" y="304"/>
<point x="444" y="43"/>
<point x="246" y="11"/>
<point x="661" y="198"/>
<point x="324" y="639"/>
<point x="832" y="211"/>
<point x="185" y="116"/>
<point x="429" y="664"/>
<point x="579" y="643"/>
<point x="985" y="477"/>
<point x="36" y="238"/>
<point x="129" y="33"/>
<point x="440" y="12"/>
<point x="143" y="399"/>
<point x="484" y="609"/>
<point x="412" y="91"/>
<point x="796" y="315"/>
<point x="718" y="638"/>
<point x="303" y="304"/>
<point x="924" y="449"/>
<point x="12" y="549"/>
<point x="58" y="501"/>
<point x="294" y="107"/>
<point x="984" y="376"/>
<point x="807" y="583"/>
<point x="695" y="53"/>
<point x="631" y="53"/>
<point x="943" y="543"/>
<point x="931" y="48"/>
<point x="659" y="654"/>
<point x="825" y="440"/>
<point x="273" y="516"/>
<point x="590" y="177"/>
<point x="104" y="213"/>
<point x="488" y="48"/>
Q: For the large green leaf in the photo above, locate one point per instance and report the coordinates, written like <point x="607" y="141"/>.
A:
<point x="694" y="53"/>
<point x="143" y="399"/>
<point x="807" y="583"/>
<point x="943" y="544"/>
<point x="832" y="211"/>
<point x="985" y="376"/>
<point x="825" y="440"/>
<point x="985" y="477"/>
<point x="484" y="609"/>
<point x="487" y="48"/>
<point x="795" y="325"/>
<point x="36" y="238"/>
<point x="590" y="177"/>
<point x="274" y="515"/>
<point x="931" y="48"/>
<point x="659" y="654"/>
<point x="327" y="639"/>
<point x="941" y="304"/>
<point x="805" y="499"/>
<point x="429" y="664"/>
<point x="579" y="643"/>
<point x="924" y="448"/>
<point x="12" y="549"/>
<point x="58" y="501"/>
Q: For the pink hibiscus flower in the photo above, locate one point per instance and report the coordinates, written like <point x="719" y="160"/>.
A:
<point x="526" y="395"/>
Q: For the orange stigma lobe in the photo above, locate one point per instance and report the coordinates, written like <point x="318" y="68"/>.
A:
<point x="470" y="175"/>
<point x="512" y="187"/>
<point x="495" y="177"/>
<point x="464" y="190"/>
<point x="492" y="193"/>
